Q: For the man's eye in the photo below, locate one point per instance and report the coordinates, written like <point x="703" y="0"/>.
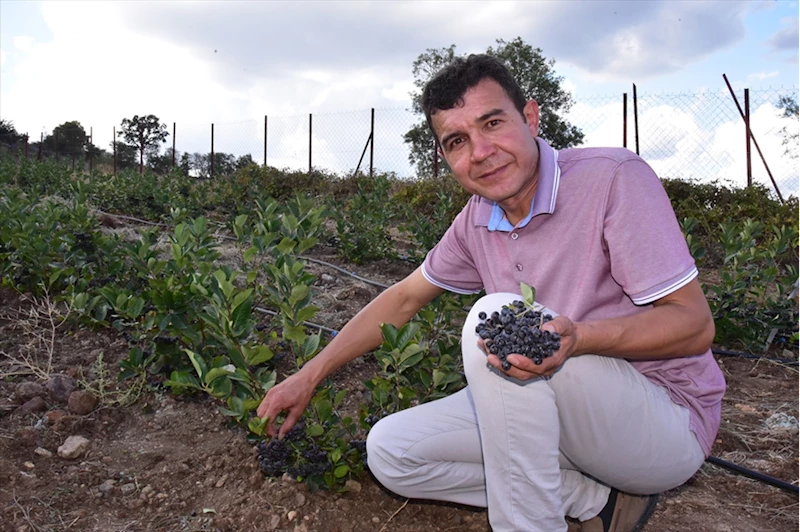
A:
<point x="493" y="123"/>
<point x="456" y="142"/>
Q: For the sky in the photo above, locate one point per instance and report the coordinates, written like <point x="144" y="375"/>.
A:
<point x="231" y="63"/>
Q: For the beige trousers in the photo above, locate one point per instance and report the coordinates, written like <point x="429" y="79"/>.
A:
<point x="536" y="451"/>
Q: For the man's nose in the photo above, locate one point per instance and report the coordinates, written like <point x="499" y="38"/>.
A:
<point x="482" y="148"/>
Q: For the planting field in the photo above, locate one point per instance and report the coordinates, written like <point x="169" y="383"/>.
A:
<point x="133" y="354"/>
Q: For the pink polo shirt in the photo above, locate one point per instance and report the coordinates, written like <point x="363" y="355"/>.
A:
<point x="602" y="242"/>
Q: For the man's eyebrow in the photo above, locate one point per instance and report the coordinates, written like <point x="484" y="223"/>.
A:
<point x="482" y="118"/>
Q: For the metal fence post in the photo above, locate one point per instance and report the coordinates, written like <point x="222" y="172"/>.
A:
<point x="265" y="141"/>
<point x="635" y="119"/>
<point x="91" y="151"/>
<point x="173" y="144"/>
<point x="114" y="143"/>
<point x="371" y="141"/>
<point x="624" y="119"/>
<point x="57" y="154"/>
<point x="747" y="137"/>
<point x="212" y="151"/>
<point x="26" y="146"/>
<point x="309" y="143"/>
<point x="41" y="141"/>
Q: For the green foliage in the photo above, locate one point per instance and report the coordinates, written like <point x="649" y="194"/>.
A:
<point x="362" y="226"/>
<point x="790" y="134"/>
<point x="535" y="75"/>
<point x="751" y="303"/>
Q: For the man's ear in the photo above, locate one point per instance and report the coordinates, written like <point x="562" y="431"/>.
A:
<point x="531" y="112"/>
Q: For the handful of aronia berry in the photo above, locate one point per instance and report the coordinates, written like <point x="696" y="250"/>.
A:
<point x="517" y="329"/>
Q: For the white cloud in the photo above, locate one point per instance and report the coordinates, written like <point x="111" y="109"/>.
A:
<point x="2" y="58"/>
<point x="23" y="43"/>
<point x="763" y="75"/>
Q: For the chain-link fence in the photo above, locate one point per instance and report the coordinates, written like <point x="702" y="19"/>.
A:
<point x="699" y="136"/>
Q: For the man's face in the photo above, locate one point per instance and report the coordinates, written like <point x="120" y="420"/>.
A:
<point x="490" y="148"/>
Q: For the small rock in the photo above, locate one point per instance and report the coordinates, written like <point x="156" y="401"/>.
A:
<point x="25" y="391"/>
<point x="376" y="520"/>
<point x="60" y="387"/>
<point x="286" y="477"/>
<point x="353" y="485"/>
<point x="327" y="278"/>
<point x="107" y="486"/>
<point x="782" y="421"/>
<point x="147" y="490"/>
<point x="161" y="496"/>
<point x="41" y="451"/>
<point x="134" y="504"/>
<point x="291" y="515"/>
<point x="221" y="481"/>
<point x="26" y="437"/>
<point x="128" y="488"/>
<point x="53" y="416"/>
<point x="299" y="499"/>
<point x="82" y="403"/>
<point x="36" y="404"/>
<point x="73" y="448"/>
<point x="274" y="522"/>
<point x="28" y="465"/>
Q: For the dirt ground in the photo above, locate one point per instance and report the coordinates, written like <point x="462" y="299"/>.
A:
<point x="174" y="464"/>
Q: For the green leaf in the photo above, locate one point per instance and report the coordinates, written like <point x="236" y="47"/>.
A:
<point x="311" y="345"/>
<point x="528" y="293"/>
<point x="339" y="398"/>
<point x="249" y="253"/>
<point x="215" y="373"/>
<point x="315" y="430"/>
<point x="257" y="355"/>
<point x="407" y="332"/>
<point x="336" y="455"/>
<point x="389" y="334"/>
<point x="324" y="410"/>
<point x="341" y="471"/>
<point x="198" y="363"/>
<point x="286" y="246"/>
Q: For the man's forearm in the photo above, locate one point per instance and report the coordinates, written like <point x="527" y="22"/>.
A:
<point x="679" y="326"/>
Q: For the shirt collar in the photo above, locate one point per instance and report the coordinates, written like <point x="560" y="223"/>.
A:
<point x="491" y="216"/>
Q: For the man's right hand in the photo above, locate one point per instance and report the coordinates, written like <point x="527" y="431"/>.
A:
<point x="291" y="396"/>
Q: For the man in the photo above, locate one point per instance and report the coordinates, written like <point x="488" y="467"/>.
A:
<point x="629" y="405"/>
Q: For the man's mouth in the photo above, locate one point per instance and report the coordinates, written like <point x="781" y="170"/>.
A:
<point x="492" y="173"/>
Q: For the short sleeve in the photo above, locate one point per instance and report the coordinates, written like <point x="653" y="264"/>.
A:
<point x="450" y="265"/>
<point x="647" y="250"/>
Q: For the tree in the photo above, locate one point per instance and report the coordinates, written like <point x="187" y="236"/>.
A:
<point x="533" y="72"/>
<point x="8" y="133"/>
<point x="244" y="161"/>
<point x="67" y="139"/>
<point x="790" y="134"/>
<point x="143" y="133"/>
<point x="126" y="155"/>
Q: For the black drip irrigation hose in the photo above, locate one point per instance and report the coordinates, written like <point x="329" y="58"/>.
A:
<point x="753" y="474"/>
<point x="784" y="361"/>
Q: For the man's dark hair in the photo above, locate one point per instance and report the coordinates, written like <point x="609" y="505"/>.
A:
<point x="447" y="88"/>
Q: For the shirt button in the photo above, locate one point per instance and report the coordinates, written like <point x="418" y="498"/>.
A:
<point x="514" y="236"/>
<point x="519" y="267"/>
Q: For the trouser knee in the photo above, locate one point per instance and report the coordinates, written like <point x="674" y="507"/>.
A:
<point x="385" y="459"/>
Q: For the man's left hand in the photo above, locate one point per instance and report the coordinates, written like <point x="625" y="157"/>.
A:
<point x="523" y="368"/>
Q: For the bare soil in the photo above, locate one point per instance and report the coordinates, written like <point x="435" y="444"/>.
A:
<point x="174" y="464"/>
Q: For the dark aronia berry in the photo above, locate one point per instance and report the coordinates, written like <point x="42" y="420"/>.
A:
<point x="516" y="329"/>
